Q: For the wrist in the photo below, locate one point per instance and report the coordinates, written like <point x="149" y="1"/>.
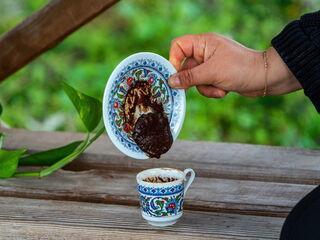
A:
<point x="280" y="79"/>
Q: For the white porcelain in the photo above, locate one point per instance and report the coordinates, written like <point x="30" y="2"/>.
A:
<point x="162" y="203"/>
<point x="147" y="67"/>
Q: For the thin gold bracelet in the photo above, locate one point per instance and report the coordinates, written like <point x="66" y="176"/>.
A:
<point x="265" y="58"/>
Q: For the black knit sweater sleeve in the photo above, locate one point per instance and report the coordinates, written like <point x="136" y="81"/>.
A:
<point x="299" y="46"/>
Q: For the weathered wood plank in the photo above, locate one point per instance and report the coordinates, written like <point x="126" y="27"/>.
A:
<point x="218" y="160"/>
<point x="44" y="219"/>
<point x="206" y="194"/>
<point x="45" y="29"/>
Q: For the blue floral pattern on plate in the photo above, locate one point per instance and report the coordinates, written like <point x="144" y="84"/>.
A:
<point x="157" y="74"/>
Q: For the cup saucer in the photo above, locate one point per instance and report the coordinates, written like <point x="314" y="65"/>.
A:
<point x="142" y="66"/>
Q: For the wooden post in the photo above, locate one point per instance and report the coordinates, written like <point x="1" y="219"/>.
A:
<point x="44" y="30"/>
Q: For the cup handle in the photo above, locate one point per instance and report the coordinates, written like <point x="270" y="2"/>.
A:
<point x="190" y="180"/>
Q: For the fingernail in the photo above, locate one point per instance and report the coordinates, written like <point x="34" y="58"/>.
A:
<point x="174" y="81"/>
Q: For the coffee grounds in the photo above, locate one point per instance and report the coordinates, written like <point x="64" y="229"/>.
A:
<point x="146" y="117"/>
<point x="159" y="179"/>
<point x="152" y="134"/>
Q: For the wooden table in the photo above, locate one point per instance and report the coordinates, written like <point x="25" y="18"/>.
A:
<point x="241" y="191"/>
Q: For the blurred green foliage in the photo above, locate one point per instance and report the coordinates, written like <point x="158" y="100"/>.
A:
<point x="33" y="98"/>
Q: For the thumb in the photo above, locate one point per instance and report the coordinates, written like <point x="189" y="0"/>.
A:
<point x="198" y="75"/>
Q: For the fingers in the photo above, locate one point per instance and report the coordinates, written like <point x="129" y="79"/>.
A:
<point x="189" y="63"/>
<point x="188" y="54"/>
<point x="205" y="90"/>
<point x="181" y="48"/>
<point x="188" y="46"/>
<point x="198" y="75"/>
<point x="211" y="91"/>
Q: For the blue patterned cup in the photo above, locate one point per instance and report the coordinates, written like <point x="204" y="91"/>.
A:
<point x="162" y="203"/>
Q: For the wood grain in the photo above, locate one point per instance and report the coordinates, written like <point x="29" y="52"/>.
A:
<point x="205" y="194"/>
<point x="45" y="29"/>
<point x="208" y="159"/>
<point x="45" y="219"/>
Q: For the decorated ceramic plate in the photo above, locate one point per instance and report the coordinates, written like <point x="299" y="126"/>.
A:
<point x="155" y="70"/>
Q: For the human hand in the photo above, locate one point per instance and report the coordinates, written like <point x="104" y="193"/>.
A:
<point x="217" y="65"/>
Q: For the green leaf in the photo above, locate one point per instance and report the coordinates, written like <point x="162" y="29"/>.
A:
<point x="69" y="158"/>
<point x="9" y="162"/>
<point x="160" y="203"/>
<point x="1" y="139"/>
<point x="120" y="95"/>
<point x="155" y="89"/>
<point x="158" y="212"/>
<point x="89" y="108"/>
<point x="137" y="74"/>
<point x="49" y="157"/>
<point x="178" y="198"/>
<point x="1" y="109"/>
